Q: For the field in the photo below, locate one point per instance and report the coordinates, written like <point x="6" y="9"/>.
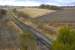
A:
<point x="35" y="12"/>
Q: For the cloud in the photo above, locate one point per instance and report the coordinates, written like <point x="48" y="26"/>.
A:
<point x="65" y="1"/>
<point x="34" y="2"/>
<point x="26" y="3"/>
<point x="19" y="3"/>
<point x="6" y="2"/>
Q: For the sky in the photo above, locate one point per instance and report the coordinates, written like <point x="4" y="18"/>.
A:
<point x="37" y="2"/>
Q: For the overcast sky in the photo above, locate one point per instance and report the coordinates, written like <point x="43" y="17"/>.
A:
<point x="36" y="2"/>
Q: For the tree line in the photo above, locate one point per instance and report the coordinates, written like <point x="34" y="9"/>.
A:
<point x="49" y="7"/>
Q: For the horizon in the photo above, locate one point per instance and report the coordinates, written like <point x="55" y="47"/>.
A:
<point x="37" y="2"/>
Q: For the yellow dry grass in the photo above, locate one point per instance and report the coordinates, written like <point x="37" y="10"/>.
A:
<point x="35" y="12"/>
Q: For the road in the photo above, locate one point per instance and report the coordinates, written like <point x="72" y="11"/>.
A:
<point x="39" y="36"/>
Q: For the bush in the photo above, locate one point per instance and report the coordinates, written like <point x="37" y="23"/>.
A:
<point x="23" y="15"/>
<point x="3" y="12"/>
<point x="65" y="40"/>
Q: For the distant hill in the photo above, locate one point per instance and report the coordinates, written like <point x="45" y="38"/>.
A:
<point x="68" y="7"/>
<point x="11" y="7"/>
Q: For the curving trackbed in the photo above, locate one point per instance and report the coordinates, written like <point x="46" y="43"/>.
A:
<point x="39" y="36"/>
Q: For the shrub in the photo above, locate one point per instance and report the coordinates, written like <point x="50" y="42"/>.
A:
<point x="65" y="40"/>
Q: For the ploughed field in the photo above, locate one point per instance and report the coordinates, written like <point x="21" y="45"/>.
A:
<point x="65" y="15"/>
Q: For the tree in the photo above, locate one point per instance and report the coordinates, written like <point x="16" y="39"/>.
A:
<point x="42" y="6"/>
<point x="65" y="40"/>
